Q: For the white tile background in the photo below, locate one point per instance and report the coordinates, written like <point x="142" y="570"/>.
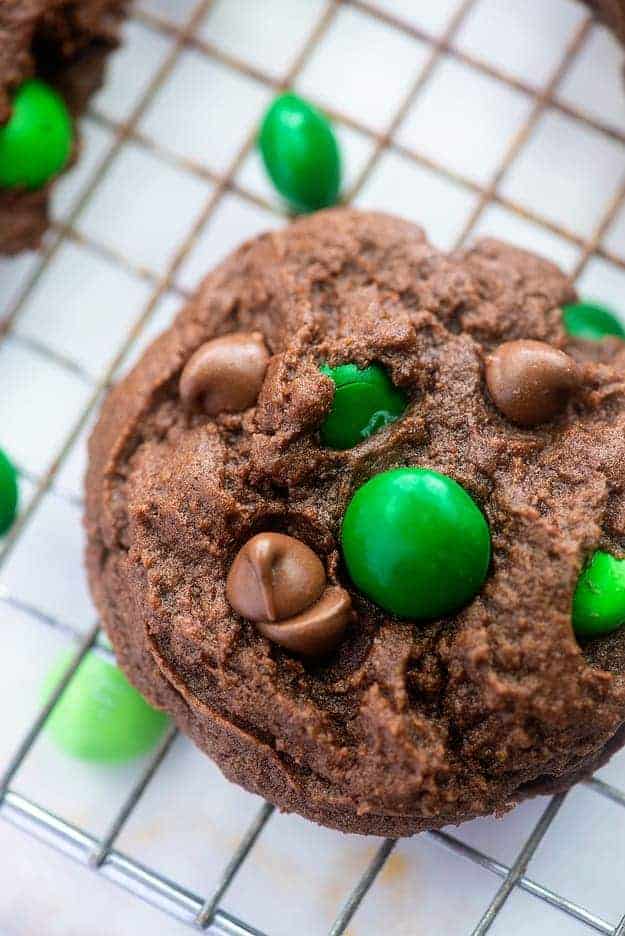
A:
<point x="77" y="327"/>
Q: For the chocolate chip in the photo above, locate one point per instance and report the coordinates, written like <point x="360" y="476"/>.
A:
<point x="225" y="375"/>
<point x="274" y="577"/>
<point x="531" y="381"/>
<point x="316" y="631"/>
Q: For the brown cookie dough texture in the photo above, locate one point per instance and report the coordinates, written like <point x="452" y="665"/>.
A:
<point x="65" y="43"/>
<point x="402" y="726"/>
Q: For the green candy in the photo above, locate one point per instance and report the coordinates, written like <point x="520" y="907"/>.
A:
<point x="8" y="493"/>
<point x="100" y="717"/>
<point x="364" y="402"/>
<point x="36" y="143"/>
<point x="591" y="321"/>
<point x="416" y="543"/>
<point x="599" y="599"/>
<point x="300" y="153"/>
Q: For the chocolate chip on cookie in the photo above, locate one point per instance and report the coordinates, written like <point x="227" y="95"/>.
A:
<point x="317" y="630"/>
<point x="531" y="381"/>
<point x="274" y="577"/>
<point x="225" y="375"/>
<point x="279" y="583"/>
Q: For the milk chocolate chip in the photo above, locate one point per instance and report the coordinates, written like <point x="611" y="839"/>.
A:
<point x="316" y="631"/>
<point x="530" y="381"/>
<point x="280" y="584"/>
<point x="225" y="375"/>
<point x="274" y="577"/>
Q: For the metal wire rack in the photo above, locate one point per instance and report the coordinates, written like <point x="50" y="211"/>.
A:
<point x="100" y="854"/>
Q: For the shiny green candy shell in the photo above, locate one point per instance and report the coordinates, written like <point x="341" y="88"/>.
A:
<point x="591" y="321"/>
<point x="300" y="153"/>
<point x="416" y="543"/>
<point x="599" y="600"/>
<point x="8" y="493"/>
<point x="36" y="143"/>
<point x="364" y="402"/>
<point x="100" y="717"/>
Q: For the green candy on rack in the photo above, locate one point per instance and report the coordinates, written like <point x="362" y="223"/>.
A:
<point x="100" y="717"/>
<point x="364" y="402"/>
<point x="300" y="153"/>
<point x="599" y="599"/>
<point x="416" y="543"/>
<point x="591" y="321"/>
<point x="8" y="493"/>
<point x="36" y="142"/>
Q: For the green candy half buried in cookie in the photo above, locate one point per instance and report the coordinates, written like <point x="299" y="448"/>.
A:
<point x="100" y="717"/>
<point x="416" y="543"/>
<point x="364" y="402"/>
<point x="599" y="599"/>
<point x="591" y="321"/>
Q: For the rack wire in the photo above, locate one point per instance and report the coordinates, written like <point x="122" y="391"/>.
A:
<point x="204" y="912"/>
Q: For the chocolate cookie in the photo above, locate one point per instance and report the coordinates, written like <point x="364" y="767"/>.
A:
<point x="64" y="44"/>
<point x="338" y="514"/>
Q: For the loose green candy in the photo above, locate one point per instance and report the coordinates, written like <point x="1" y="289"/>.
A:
<point x="599" y="599"/>
<point x="300" y="153"/>
<point x="364" y="402"/>
<point x="416" y="543"/>
<point x="591" y="321"/>
<point x="36" y="142"/>
<point x="100" y="717"/>
<point x="8" y="493"/>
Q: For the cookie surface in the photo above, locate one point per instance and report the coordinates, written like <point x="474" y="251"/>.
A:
<point x="65" y="44"/>
<point x="403" y="725"/>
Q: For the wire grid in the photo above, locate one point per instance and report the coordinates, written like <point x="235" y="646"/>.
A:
<point x="205" y="912"/>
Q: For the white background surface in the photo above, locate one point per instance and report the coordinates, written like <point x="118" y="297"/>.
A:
<point x="83" y="309"/>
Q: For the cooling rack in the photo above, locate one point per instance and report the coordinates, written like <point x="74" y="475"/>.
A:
<point x="466" y="115"/>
